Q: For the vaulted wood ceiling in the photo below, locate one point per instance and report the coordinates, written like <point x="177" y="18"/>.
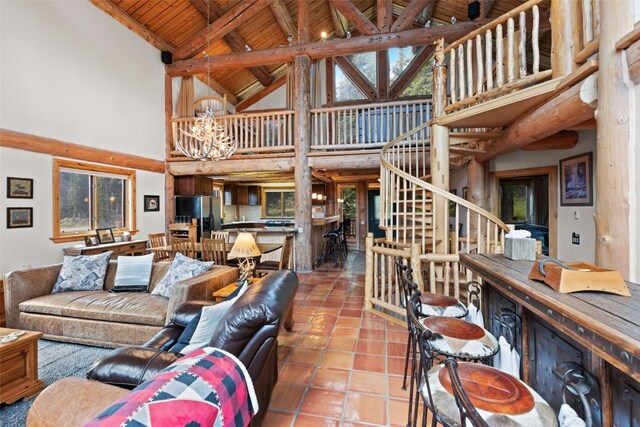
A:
<point x="260" y="24"/>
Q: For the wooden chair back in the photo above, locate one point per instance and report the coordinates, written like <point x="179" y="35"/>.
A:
<point x="185" y="245"/>
<point x="285" y="254"/>
<point x="157" y="240"/>
<point x="214" y="250"/>
<point x="224" y="235"/>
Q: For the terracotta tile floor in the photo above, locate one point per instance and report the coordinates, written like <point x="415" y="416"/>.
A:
<point x="339" y="366"/>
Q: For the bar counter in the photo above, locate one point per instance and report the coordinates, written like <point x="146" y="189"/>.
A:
<point x="321" y="226"/>
<point x="598" y="331"/>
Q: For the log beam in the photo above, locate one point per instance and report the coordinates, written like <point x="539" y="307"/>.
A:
<point x="564" y="140"/>
<point x="54" y="147"/>
<point x="234" y="17"/>
<point x="303" y="23"/>
<point x="566" y="21"/>
<point x="385" y="15"/>
<point x="234" y="40"/>
<point x="321" y="50"/>
<point x="302" y="172"/>
<point x="356" y="77"/>
<point x="485" y="8"/>
<point x="564" y="111"/>
<point x="283" y="17"/>
<point x="409" y="73"/>
<point x="633" y="61"/>
<point x="409" y="15"/>
<point x="275" y="165"/>
<point x="340" y="23"/>
<point x="357" y="18"/>
<point x="243" y="105"/>
<point x="426" y="14"/>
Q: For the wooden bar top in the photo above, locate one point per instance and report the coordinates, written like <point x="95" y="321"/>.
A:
<point x="607" y="324"/>
<point x="327" y="220"/>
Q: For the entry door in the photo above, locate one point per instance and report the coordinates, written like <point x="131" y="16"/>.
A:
<point x="373" y="206"/>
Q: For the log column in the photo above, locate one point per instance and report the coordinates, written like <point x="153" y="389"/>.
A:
<point x="302" y="171"/>
<point x="477" y="180"/>
<point x="168" y="136"/>
<point x="614" y="163"/>
<point x="566" y="23"/>
<point x="440" y="146"/>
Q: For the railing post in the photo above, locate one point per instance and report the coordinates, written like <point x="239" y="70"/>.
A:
<point x="368" y="277"/>
<point x="416" y="266"/>
<point x="566" y="28"/>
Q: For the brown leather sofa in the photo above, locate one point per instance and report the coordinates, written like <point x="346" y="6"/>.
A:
<point x="100" y="317"/>
<point x="249" y="330"/>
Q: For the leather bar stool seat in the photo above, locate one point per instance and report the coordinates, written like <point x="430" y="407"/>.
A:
<point x="442" y="305"/>
<point x="460" y="339"/>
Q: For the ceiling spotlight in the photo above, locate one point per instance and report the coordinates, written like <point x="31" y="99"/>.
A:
<point x="453" y="19"/>
<point x="428" y="24"/>
<point x="290" y="39"/>
<point x="323" y="35"/>
<point x="348" y="34"/>
<point x="247" y="48"/>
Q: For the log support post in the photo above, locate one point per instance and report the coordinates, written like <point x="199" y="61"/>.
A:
<point x="566" y="24"/>
<point x="168" y="131"/>
<point x="440" y="148"/>
<point x="368" y="277"/>
<point x="302" y="171"/>
<point x="477" y="185"/>
<point x="616" y="193"/>
<point x="416" y="266"/>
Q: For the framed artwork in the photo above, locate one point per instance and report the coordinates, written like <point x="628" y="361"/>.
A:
<point x="464" y="193"/>
<point x="104" y="235"/>
<point x="19" y="188"/>
<point x="19" y="217"/>
<point x="151" y="203"/>
<point x="576" y="180"/>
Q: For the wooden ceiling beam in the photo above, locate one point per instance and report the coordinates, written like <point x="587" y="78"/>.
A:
<point x="485" y="8"/>
<point x="125" y="19"/>
<point x="303" y="22"/>
<point x="563" y="140"/>
<point x="409" y="73"/>
<point x="320" y="50"/>
<point x="340" y="23"/>
<point x="356" y="77"/>
<point x="385" y="15"/>
<point x="426" y="14"/>
<point x="238" y="14"/>
<point x="244" y="104"/>
<point x="234" y="40"/>
<point x="357" y="18"/>
<point x="409" y="15"/>
<point x="283" y="17"/>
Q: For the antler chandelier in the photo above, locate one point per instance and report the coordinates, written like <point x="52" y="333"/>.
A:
<point x="207" y="139"/>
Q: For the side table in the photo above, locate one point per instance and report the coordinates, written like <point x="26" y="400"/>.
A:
<point x="19" y="367"/>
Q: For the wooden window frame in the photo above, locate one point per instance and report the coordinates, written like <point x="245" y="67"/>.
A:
<point x="280" y="190"/>
<point x="128" y="174"/>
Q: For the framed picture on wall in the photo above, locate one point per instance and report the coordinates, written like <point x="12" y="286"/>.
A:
<point x="104" y="235"/>
<point x="151" y="203"/>
<point x="19" y="217"/>
<point x="576" y="180"/>
<point x="19" y="188"/>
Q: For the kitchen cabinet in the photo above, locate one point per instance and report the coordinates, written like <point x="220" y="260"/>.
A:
<point x="230" y="194"/>
<point x="243" y="195"/>
<point x="254" y="194"/>
<point x="193" y="185"/>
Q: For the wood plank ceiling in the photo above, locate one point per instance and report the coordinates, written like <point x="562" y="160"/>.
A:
<point x="177" y="21"/>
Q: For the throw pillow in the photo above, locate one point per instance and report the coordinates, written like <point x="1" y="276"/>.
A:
<point x="187" y="333"/>
<point x="133" y="271"/>
<point x="210" y="316"/>
<point x="82" y="273"/>
<point x="181" y="268"/>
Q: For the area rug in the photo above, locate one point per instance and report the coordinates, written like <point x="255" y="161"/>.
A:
<point x="56" y="360"/>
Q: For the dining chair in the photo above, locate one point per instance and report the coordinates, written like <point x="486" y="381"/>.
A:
<point x="184" y="245"/>
<point x="284" y="263"/>
<point x="157" y="240"/>
<point x="224" y="235"/>
<point x="214" y="250"/>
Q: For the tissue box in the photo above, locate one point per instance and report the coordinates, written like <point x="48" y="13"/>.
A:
<point x="520" y="249"/>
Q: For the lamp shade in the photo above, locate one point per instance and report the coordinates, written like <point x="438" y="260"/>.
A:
<point x="245" y="247"/>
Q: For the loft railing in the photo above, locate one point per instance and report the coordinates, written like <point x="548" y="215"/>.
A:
<point x="367" y="125"/>
<point x="590" y="30"/>
<point x="477" y="73"/>
<point x="255" y="132"/>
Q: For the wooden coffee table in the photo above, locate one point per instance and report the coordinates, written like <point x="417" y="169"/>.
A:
<point x="19" y="367"/>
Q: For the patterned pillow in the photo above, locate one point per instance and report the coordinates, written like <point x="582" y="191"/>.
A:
<point x="181" y="268"/>
<point x="82" y="273"/>
<point x="208" y="387"/>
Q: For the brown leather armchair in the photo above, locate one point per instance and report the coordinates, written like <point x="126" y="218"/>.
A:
<point x="249" y="330"/>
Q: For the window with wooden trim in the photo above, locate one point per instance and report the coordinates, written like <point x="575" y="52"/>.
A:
<point x="88" y="196"/>
<point x="279" y="203"/>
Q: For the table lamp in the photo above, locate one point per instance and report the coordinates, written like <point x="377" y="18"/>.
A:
<point x="245" y="249"/>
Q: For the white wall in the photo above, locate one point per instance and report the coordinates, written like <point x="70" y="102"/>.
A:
<point x="69" y="71"/>
<point x="567" y="223"/>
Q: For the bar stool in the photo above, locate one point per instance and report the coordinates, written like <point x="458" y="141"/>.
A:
<point x="331" y="249"/>
<point x="462" y="394"/>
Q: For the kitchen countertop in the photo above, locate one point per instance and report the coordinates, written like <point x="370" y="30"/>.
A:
<point x="327" y="220"/>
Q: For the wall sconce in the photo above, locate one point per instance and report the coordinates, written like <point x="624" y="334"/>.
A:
<point x="314" y="196"/>
<point x="340" y="200"/>
<point x="290" y="39"/>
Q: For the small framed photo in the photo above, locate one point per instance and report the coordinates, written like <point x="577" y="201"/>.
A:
<point x="19" y="188"/>
<point x="576" y="180"/>
<point x="104" y="235"/>
<point x="88" y="241"/>
<point x="464" y="193"/>
<point x="19" y="217"/>
<point x="151" y="203"/>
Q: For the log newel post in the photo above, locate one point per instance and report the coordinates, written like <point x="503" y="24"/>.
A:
<point x="416" y="266"/>
<point x="302" y="172"/>
<point x="368" y="277"/>
<point x="168" y="136"/>
<point x="616" y="194"/>
<point x="477" y="183"/>
<point x="439" y="153"/>
<point x="566" y="24"/>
